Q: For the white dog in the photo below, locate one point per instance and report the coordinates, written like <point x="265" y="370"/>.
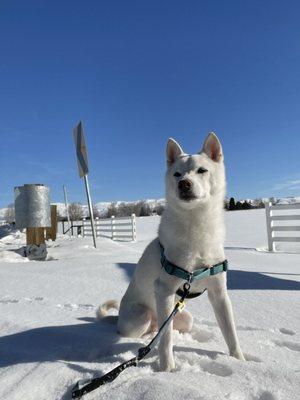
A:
<point x="191" y="232"/>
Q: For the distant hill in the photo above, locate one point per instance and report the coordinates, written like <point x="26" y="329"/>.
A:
<point x="154" y="203"/>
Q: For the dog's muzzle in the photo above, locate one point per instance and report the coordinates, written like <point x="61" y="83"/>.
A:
<point x="185" y="188"/>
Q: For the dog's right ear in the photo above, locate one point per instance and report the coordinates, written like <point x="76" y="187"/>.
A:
<point x="173" y="151"/>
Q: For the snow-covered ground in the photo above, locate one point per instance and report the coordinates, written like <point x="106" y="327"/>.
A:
<point x="49" y="337"/>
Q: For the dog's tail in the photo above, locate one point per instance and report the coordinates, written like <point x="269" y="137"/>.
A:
<point x="102" y="311"/>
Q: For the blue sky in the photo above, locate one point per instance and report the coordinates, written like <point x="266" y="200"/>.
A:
<point x="138" y="72"/>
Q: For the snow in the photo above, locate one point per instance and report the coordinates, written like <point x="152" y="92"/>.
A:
<point x="49" y="338"/>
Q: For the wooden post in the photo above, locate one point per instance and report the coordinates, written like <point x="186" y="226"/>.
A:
<point x="51" y="232"/>
<point x="35" y="236"/>
<point x="40" y="235"/>
<point x="30" y="236"/>
<point x="269" y="225"/>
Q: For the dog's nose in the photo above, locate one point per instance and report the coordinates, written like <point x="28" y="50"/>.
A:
<point x="185" y="185"/>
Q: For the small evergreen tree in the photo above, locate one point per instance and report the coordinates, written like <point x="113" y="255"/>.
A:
<point x="246" y="205"/>
<point x="238" y="205"/>
<point x="232" y="205"/>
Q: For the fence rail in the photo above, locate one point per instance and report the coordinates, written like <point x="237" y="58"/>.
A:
<point x="126" y="229"/>
<point x="272" y="219"/>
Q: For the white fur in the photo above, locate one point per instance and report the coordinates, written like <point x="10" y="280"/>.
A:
<point x="192" y="233"/>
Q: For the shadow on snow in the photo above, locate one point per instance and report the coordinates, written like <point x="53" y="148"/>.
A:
<point x="92" y="341"/>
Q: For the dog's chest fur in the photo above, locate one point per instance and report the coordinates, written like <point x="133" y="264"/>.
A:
<point x="193" y="239"/>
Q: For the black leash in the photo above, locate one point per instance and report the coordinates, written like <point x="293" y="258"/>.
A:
<point x="85" y="386"/>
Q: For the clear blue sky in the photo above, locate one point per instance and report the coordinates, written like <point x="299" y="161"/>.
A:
<point x="138" y="72"/>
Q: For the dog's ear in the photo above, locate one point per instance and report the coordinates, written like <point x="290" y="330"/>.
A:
<point x="212" y="147"/>
<point x="173" y="151"/>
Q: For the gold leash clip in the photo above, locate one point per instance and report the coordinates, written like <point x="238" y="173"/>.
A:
<point x="181" y="305"/>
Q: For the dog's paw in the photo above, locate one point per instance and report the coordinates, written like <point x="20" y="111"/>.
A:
<point x="167" y="365"/>
<point x="238" y="355"/>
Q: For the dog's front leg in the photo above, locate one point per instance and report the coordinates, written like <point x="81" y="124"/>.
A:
<point x="165" y="298"/>
<point x="223" y="311"/>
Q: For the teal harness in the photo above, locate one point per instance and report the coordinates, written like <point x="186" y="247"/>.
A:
<point x="196" y="275"/>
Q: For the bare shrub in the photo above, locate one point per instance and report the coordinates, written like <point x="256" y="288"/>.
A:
<point x="60" y="217"/>
<point x="75" y="211"/>
<point x="145" y="210"/>
<point x="112" y="210"/>
<point x="158" y="209"/>
<point x="96" y="212"/>
<point x="9" y="214"/>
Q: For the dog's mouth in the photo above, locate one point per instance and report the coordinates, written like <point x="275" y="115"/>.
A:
<point x="187" y="197"/>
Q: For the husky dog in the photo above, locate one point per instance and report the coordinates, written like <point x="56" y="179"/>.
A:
<point x="191" y="232"/>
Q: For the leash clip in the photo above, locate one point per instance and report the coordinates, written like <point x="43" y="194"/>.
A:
<point x="186" y="287"/>
<point x="181" y="305"/>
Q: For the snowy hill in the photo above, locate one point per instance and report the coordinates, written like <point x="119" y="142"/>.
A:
<point x="49" y="337"/>
<point x="104" y="206"/>
<point x="101" y="206"/>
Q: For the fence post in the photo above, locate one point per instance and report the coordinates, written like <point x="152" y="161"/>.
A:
<point x="133" y="227"/>
<point x="112" y="224"/>
<point x="96" y="226"/>
<point x="83" y="224"/>
<point x="269" y="225"/>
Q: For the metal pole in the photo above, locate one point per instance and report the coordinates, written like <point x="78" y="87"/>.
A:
<point x="67" y="209"/>
<point x="90" y="208"/>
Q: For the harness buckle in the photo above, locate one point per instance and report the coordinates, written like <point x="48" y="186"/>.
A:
<point x="225" y="265"/>
<point x="191" y="276"/>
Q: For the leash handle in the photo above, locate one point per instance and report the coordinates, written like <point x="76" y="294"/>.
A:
<point x="85" y="386"/>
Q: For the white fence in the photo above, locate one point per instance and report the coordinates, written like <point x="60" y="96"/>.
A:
<point x="273" y="219"/>
<point x="116" y="228"/>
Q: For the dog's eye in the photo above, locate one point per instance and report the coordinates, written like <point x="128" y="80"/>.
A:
<point x="201" y="170"/>
<point x="177" y="174"/>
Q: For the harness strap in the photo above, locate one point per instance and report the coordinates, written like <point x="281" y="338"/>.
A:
<point x="196" y="275"/>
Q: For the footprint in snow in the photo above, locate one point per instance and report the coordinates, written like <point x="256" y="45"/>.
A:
<point x="287" y="331"/>
<point x="86" y="306"/>
<point x="290" y="345"/>
<point x="265" y="395"/>
<point x="216" y="368"/>
<point x="8" y="301"/>
<point x="201" y="335"/>
<point x="248" y="328"/>
<point x="250" y="357"/>
<point x="209" y="323"/>
<point x="72" y="306"/>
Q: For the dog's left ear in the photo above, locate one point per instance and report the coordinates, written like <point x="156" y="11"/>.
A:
<point x="212" y="147"/>
<point x="173" y="151"/>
